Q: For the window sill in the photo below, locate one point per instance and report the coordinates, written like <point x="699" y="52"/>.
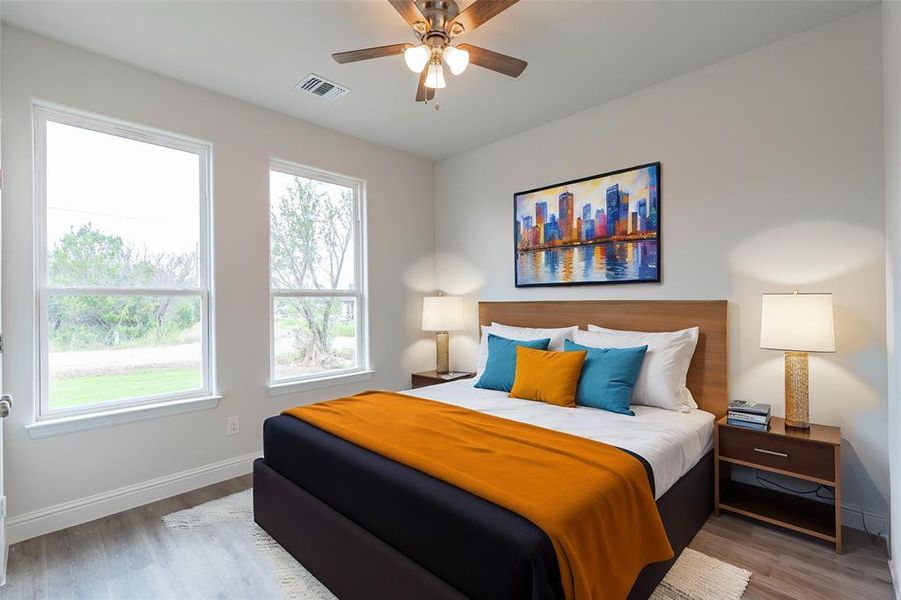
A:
<point x="291" y="387"/>
<point x="108" y="418"/>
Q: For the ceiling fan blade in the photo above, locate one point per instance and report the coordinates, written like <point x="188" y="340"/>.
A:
<point x="480" y="11"/>
<point x="495" y="60"/>
<point x="409" y="11"/>
<point x="367" y="53"/>
<point x="424" y="93"/>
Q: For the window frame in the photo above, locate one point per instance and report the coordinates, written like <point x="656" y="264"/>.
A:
<point x="44" y="113"/>
<point x="359" y="292"/>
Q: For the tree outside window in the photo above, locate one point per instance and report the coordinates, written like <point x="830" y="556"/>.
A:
<point x="314" y="262"/>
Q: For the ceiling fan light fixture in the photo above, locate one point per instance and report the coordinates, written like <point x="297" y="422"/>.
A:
<point x="436" y="24"/>
<point x="435" y="77"/>
<point x="417" y="57"/>
<point x="457" y="60"/>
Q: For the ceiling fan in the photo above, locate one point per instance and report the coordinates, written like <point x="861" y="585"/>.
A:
<point x="436" y="23"/>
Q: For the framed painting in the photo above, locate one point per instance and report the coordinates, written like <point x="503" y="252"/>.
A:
<point x="599" y="229"/>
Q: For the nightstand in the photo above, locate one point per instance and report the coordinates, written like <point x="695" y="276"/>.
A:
<point x="810" y="455"/>
<point x="425" y="378"/>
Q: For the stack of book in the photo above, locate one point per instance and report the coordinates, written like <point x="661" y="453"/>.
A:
<point x="748" y="414"/>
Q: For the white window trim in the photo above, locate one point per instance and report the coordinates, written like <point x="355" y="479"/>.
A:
<point x="362" y="372"/>
<point x="333" y="379"/>
<point x="61" y="420"/>
<point x="117" y="416"/>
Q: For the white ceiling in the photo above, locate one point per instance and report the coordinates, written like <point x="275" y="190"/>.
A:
<point x="580" y="53"/>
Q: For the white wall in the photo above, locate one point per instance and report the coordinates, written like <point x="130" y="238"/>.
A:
<point x="46" y="472"/>
<point x="772" y="179"/>
<point x="891" y="52"/>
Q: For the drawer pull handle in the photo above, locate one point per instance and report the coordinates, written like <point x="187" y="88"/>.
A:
<point x="771" y="453"/>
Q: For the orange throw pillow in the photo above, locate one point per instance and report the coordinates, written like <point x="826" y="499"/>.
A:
<point x="550" y="377"/>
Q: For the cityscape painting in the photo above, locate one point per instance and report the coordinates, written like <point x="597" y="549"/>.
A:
<point x="600" y="229"/>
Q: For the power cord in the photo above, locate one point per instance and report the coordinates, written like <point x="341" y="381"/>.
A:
<point x="764" y="482"/>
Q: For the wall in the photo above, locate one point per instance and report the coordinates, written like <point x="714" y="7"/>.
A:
<point x="772" y="180"/>
<point x="891" y="52"/>
<point x="64" y="478"/>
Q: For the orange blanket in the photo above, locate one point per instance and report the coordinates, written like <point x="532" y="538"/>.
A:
<point x="591" y="499"/>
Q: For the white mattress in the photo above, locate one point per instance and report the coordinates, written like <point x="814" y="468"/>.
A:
<point x="672" y="442"/>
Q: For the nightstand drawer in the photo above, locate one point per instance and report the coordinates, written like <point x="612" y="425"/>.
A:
<point x="795" y="456"/>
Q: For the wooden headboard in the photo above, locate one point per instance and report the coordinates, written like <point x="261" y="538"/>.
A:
<point x="707" y="374"/>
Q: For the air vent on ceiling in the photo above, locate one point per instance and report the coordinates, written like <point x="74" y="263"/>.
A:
<point x="323" y="88"/>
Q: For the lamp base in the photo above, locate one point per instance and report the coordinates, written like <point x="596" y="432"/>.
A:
<point x="442" y="354"/>
<point x="797" y="403"/>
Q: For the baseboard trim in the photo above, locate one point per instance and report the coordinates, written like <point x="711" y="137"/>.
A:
<point x="53" y="518"/>
<point x="876" y="523"/>
<point x="895" y="591"/>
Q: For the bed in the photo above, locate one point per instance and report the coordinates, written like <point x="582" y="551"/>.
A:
<point x="369" y="527"/>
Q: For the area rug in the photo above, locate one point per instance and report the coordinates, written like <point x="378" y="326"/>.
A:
<point x="695" y="576"/>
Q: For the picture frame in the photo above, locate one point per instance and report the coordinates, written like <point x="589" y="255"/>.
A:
<point x="605" y="229"/>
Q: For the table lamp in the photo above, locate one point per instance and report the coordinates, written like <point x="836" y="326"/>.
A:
<point x="798" y="324"/>
<point x="442" y="314"/>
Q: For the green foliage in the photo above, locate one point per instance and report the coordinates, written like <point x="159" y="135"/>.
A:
<point x="87" y="257"/>
<point x="311" y="232"/>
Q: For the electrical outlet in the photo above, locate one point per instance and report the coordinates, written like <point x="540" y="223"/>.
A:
<point x="232" y="426"/>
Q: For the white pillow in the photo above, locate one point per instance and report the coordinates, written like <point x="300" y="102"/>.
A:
<point x="557" y="336"/>
<point x="521" y="334"/>
<point x="661" y="380"/>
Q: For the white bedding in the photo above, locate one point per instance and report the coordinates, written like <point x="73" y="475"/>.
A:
<point x="672" y="442"/>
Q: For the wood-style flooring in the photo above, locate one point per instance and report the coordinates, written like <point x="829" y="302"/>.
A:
<point x="132" y="556"/>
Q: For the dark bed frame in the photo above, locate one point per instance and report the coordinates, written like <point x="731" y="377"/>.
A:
<point x="356" y="565"/>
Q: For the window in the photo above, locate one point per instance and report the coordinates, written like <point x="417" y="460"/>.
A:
<point x="316" y="273"/>
<point x="123" y="278"/>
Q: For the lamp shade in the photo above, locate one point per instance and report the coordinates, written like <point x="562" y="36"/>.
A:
<point x="442" y="313"/>
<point x="456" y="59"/>
<point x="797" y="322"/>
<point x="417" y="57"/>
<point x="435" y="76"/>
